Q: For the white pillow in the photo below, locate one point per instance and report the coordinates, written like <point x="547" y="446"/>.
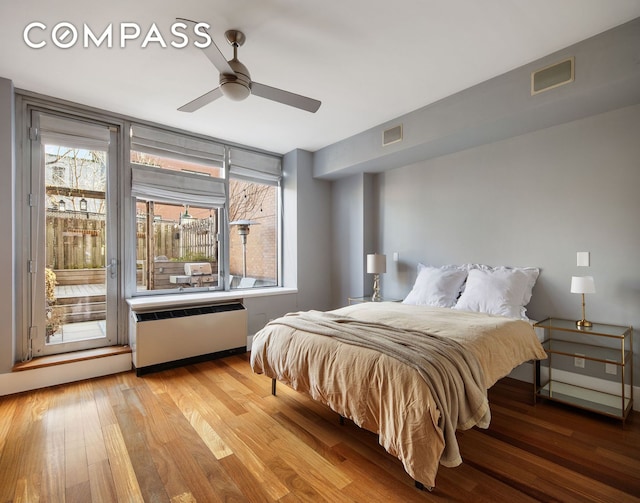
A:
<point x="502" y="290"/>
<point x="532" y="274"/>
<point x="436" y="286"/>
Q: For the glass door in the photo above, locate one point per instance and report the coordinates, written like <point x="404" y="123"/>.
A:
<point x="73" y="254"/>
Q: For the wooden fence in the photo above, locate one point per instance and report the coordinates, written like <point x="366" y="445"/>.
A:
<point x="193" y="241"/>
<point x="166" y="239"/>
<point x="174" y="244"/>
<point x="76" y="240"/>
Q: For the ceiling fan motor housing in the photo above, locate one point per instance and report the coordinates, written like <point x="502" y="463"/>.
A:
<point x="236" y="87"/>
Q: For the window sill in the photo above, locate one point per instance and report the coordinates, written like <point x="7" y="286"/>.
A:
<point x="76" y="356"/>
<point x="184" y="299"/>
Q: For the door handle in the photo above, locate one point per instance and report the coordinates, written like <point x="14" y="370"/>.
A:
<point x="112" y="268"/>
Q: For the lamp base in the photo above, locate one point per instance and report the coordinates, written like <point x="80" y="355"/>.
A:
<point x="583" y="324"/>
<point x="376" y="297"/>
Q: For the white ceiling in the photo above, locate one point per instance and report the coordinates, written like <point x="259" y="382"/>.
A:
<point x="368" y="61"/>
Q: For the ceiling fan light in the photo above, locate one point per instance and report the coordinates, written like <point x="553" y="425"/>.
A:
<point x="235" y="91"/>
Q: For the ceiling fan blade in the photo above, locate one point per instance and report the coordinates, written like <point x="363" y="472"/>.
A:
<point x="203" y="100"/>
<point x="285" y="97"/>
<point x="213" y="52"/>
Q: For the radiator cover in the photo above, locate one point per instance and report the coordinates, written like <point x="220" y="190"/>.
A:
<point x="167" y="338"/>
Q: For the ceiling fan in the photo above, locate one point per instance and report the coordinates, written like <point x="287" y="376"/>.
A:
<point x="236" y="83"/>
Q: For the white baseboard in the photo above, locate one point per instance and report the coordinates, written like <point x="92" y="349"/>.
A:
<point x="26" y="380"/>
<point x="525" y="373"/>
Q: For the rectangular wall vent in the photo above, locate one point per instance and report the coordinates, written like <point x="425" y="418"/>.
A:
<point x="392" y="135"/>
<point x="552" y="76"/>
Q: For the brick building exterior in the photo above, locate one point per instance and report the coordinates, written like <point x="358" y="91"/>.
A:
<point x="262" y="241"/>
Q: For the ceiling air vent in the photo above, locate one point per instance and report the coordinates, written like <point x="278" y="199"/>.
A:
<point x="392" y="135"/>
<point x="552" y="76"/>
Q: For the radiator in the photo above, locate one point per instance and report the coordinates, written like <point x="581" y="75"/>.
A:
<point x="166" y="338"/>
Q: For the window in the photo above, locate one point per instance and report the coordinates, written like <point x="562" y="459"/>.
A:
<point x="199" y="225"/>
<point x="172" y="236"/>
<point x="179" y="190"/>
<point x="254" y="234"/>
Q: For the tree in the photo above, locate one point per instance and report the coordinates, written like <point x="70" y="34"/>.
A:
<point x="69" y="171"/>
<point x="246" y="199"/>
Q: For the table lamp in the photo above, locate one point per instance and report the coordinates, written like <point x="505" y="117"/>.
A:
<point x="583" y="284"/>
<point x="376" y="265"/>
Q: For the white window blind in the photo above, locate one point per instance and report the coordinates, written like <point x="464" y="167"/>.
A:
<point x="72" y="133"/>
<point x="254" y="167"/>
<point x="167" y="144"/>
<point x="176" y="187"/>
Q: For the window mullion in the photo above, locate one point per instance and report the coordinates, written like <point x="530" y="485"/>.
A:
<point x="224" y="225"/>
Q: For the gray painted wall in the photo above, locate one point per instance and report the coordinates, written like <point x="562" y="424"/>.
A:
<point x="607" y="76"/>
<point x="354" y="234"/>
<point x="532" y="200"/>
<point x="494" y="175"/>
<point x="308" y="240"/>
<point x="7" y="210"/>
<point x="347" y="218"/>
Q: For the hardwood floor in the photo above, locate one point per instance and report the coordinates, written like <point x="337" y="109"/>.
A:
<point x="213" y="432"/>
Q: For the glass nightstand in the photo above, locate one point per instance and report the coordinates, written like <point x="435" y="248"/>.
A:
<point x="590" y="368"/>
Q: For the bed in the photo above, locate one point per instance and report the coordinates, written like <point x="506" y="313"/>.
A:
<point x="412" y="372"/>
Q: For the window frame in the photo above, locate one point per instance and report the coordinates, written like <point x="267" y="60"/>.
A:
<point x="271" y="164"/>
<point x="259" y="167"/>
<point x="180" y="289"/>
<point x="278" y="237"/>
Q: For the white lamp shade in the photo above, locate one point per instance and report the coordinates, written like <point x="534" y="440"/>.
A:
<point x="376" y="263"/>
<point x="582" y="284"/>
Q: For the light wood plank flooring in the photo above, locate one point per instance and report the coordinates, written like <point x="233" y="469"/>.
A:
<point x="212" y="432"/>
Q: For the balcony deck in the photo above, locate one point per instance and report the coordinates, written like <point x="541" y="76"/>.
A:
<point x="84" y="312"/>
<point x="80" y="291"/>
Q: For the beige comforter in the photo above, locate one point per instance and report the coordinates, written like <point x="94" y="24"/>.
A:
<point x="384" y="395"/>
